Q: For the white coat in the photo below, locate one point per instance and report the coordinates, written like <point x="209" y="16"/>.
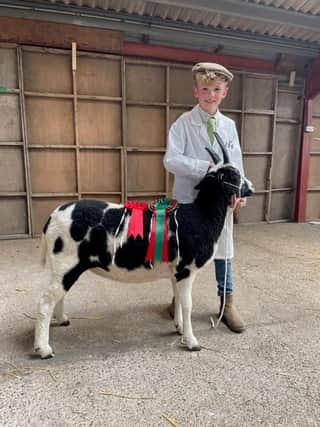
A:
<point x="188" y="160"/>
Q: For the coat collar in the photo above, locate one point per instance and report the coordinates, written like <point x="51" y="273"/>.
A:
<point x="196" y="118"/>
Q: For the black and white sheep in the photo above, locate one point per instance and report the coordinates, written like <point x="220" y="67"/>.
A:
<point x="85" y="235"/>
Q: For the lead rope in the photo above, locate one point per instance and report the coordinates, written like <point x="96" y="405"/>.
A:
<point x="116" y="235"/>
<point x="213" y="325"/>
<point x="177" y="236"/>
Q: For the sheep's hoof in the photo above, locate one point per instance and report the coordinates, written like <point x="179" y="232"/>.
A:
<point x="49" y="356"/>
<point x="179" y="329"/>
<point x="195" y="348"/>
<point x="192" y="345"/>
<point x="44" y="353"/>
<point x="65" y="323"/>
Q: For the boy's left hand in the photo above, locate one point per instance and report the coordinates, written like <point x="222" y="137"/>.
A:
<point x="238" y="202"/>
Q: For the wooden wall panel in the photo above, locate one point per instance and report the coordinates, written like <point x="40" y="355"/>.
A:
<point x="53" y="171"/>
<point x="42" y="209"/>
<point x="259" y="93"/>
<point x="146" y="126"/>
<point x="257" y="133"/>
<point x="254" y="211"/>
<point x="234" y="98"/>
<point x="256" y="168"/>
<point x="47" y="72"/>
<point x="236" y="117"/>
<point x="10" y="128"/>
<point x="145" y="83"/>
<point x="289" y="105"/>
<point x="11" y="170"/>
<point x="108" y="198"/>
<point x="115" y="113"/>
<point x="313" y="194"/>
<point x="180" y="84"/>
<point x="50" y="121"/>
<point x="98" y="76"/>
<point x="13" y="214"/>
<point x="286" y="156"/>
<point x="315" y="143"/>
<point x="282" y="205"/>
<point x="54" y="34"/>
<point x="99" y="123"/>
<point x="100" y="171"/>
<point x="8" y="68"/>
<point x="313" y="205"/>
<point x="314" y="172"/>
<point x="316" y="105"/>
<point x="146" y="172"/>
<point x="175" y="113"/>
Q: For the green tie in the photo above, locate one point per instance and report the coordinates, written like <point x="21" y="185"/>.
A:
<point x="211" y="128"/>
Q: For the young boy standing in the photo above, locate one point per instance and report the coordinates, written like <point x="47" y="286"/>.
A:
<point x="188" y="160"/>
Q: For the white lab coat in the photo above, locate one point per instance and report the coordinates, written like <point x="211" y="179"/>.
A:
<point x="187" y="158"/>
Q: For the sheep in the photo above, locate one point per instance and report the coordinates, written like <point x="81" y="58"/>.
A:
<point x="92" y="235"/>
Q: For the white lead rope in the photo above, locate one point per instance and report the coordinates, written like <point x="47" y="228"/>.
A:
<point x="213" y="325"/>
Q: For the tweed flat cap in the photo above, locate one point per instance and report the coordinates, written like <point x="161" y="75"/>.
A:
<point x="211" y="69"/>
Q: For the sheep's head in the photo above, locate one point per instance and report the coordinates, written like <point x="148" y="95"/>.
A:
<point x="245" y="187"/>
<point x="228" y="179"/>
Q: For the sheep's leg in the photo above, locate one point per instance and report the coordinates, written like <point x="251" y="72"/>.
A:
<point x="59" y="314"/>
<point x="185" y="298"/>
<point x="177" y="307"/>
<point x="47" y="303"/>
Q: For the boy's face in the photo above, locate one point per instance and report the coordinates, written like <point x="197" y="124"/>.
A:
<point x="210" y="95"/>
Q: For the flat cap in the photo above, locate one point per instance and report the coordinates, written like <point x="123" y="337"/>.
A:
<point x="210" y="68"/>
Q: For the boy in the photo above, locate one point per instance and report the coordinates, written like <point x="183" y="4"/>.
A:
<point x="187" y="158"/>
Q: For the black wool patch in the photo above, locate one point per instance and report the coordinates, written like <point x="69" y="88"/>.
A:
<point x="132" y="254"/>
<point x="73" y="275"/>
<point x="172" y="244"/>
<point x="58" y="245"/>
<point x="96" y="246"/>
<point x="65" y="206"/>
<point x="182" y="274"/>
<point x="111" y="220"/>
<point x="86" y="213"/>
<point x="45" y="228"/>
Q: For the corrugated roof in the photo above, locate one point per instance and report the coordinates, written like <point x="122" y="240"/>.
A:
<point x="224" y="20"/>
<point x="304" y="6"/>
<point x="252" y="28"/>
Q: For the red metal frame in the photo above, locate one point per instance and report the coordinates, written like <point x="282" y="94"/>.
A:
<point x="192" y="56"/>
<point x="313" y="82"/>
<point x="304" y="163"/>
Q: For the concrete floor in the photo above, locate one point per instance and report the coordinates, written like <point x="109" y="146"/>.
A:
<point x="121" y="342"/>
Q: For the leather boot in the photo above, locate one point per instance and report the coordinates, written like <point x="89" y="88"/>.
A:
<point x="171" y="309"/>
<point x="231" y="317"/>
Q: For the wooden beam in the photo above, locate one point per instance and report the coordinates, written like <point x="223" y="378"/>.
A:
<point x="192" y="55"/>
<point x="41" y="33"/>
<point x="313" y="81"/>
<point x="304" y="164"/>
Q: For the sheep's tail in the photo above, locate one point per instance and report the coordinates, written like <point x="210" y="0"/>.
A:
<point x="43" y="249"/>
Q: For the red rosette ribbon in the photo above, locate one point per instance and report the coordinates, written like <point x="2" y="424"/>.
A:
<point x="135" y="227"/>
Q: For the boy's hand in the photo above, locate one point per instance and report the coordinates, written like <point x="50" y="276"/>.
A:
<point x="238" y="202"/>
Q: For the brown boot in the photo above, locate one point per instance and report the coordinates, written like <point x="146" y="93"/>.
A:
<point x="171" y="309"/>
<point x="231" y="316"/>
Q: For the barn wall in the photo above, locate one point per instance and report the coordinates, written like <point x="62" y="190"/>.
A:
<point x="97" y="126"/>
<point x="313" y="194"/>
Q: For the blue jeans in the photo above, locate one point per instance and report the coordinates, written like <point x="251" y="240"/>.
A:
<point x="220" y="272"/>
